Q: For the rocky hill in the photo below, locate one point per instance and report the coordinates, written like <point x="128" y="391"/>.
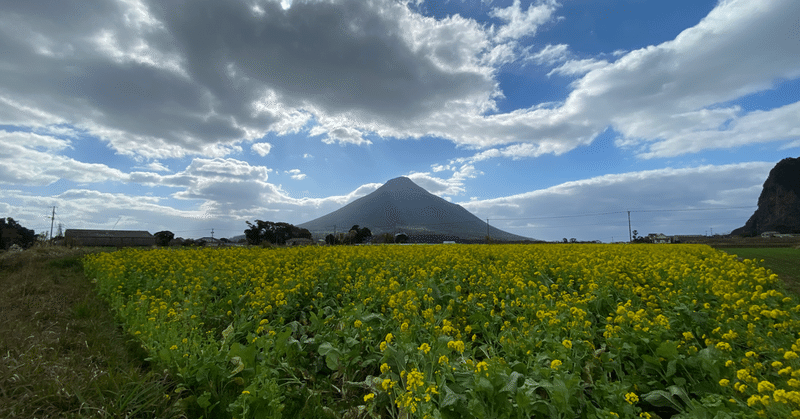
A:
<point x="400" y="205"/>
<point x="779" y="203"/>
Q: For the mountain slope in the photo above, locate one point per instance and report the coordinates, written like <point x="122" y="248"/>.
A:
<point x="779" y="202"/>
<point x="400" y="205"/>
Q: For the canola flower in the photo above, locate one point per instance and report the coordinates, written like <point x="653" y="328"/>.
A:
<point x="428" y="316"/>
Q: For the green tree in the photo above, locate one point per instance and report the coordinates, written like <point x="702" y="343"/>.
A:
<point x="13" y="233"/>
<point x="276" y="233"/>
<point x="401" y="238"/>
<point x="330" y="239"/>
<point x="357" y="234"/>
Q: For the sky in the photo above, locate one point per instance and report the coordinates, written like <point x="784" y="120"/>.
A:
<point x="550" y="119"/>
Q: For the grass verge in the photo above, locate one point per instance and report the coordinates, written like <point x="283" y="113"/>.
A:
<point x="62" y="354"/>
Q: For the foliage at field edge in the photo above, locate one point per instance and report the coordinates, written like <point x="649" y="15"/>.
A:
<point x="511" y="331"/>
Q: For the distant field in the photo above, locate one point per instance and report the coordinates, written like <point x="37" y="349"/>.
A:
<point x="783" y="261"/>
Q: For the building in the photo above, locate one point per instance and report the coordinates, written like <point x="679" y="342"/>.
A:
<point x="115" y="238"/>
<point x="661" y="238"/>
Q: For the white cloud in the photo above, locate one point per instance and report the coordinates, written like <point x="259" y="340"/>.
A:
<point x="443" y="187"/>
<point x="578" y="67"/>
<point x="755" y="127"/>
<point x="157" y="80"/>
<point x="262" y="149"/>
<point x="82" y="208"/>
<point x="661" y="95"/>
<point x="551" y="54"/>
<point x="665" y="100"/>
<point x="296" y="174"/>
<point x="340" y="134"/>
<point x="32" y="159"/>
<point x="521" y="23"/>
<point x="155" y="167"/>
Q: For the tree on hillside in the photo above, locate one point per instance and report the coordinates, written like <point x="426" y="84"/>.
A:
<point x="164" y="237"/>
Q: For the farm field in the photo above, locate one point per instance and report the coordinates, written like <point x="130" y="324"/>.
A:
<point x="462" y="331"/>
<point x="784" y="261"/>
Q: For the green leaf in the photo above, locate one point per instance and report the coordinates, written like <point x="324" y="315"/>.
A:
<point x="512" y="382"/>
<point x="331" y="355"/>
<point x="450" y="397"/>
<point x="671" y="398"/>
<point x="651" y="359"/>
<point x="668" y="350"/>
<point x="325" y="347"/>
<point x="484" y="385"/>
<point x="204" y="400"/>
<point x="671" y="367"/>
<point x="372" y="316"/>
<point x="661" y="398"/>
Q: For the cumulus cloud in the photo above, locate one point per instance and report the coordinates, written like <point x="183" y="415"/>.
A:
<point x="664" y="100"/>
<point x="454" y="185"/>
<point x="159" y="80"/>
<point x="32" y="159"/>
<point x="519" y="23"/>
<point x="339" y="134"/>
<point x="262" y="149"/>
<point x="84" y="208"/>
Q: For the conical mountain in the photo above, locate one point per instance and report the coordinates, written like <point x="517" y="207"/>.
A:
<point x="400" y="205"/>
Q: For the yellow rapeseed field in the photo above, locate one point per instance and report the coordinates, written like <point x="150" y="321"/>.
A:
<point x="462" y="330"/>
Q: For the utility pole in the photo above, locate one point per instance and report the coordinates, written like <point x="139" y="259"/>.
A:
<point x="488" y="236"/>
<point x="212" y="234"/>
<point x="52" y="220"/>
<point x="630" y="235"/>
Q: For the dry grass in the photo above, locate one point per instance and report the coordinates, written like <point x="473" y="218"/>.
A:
<point x="62" y="353"/>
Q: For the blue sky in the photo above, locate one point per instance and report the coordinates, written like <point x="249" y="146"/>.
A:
<point x="550" y="118"/>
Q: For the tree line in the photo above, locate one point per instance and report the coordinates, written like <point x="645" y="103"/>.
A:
<point x="11" y="233"/>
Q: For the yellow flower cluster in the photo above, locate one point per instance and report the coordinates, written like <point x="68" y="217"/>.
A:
<point x="446" y="301"/>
